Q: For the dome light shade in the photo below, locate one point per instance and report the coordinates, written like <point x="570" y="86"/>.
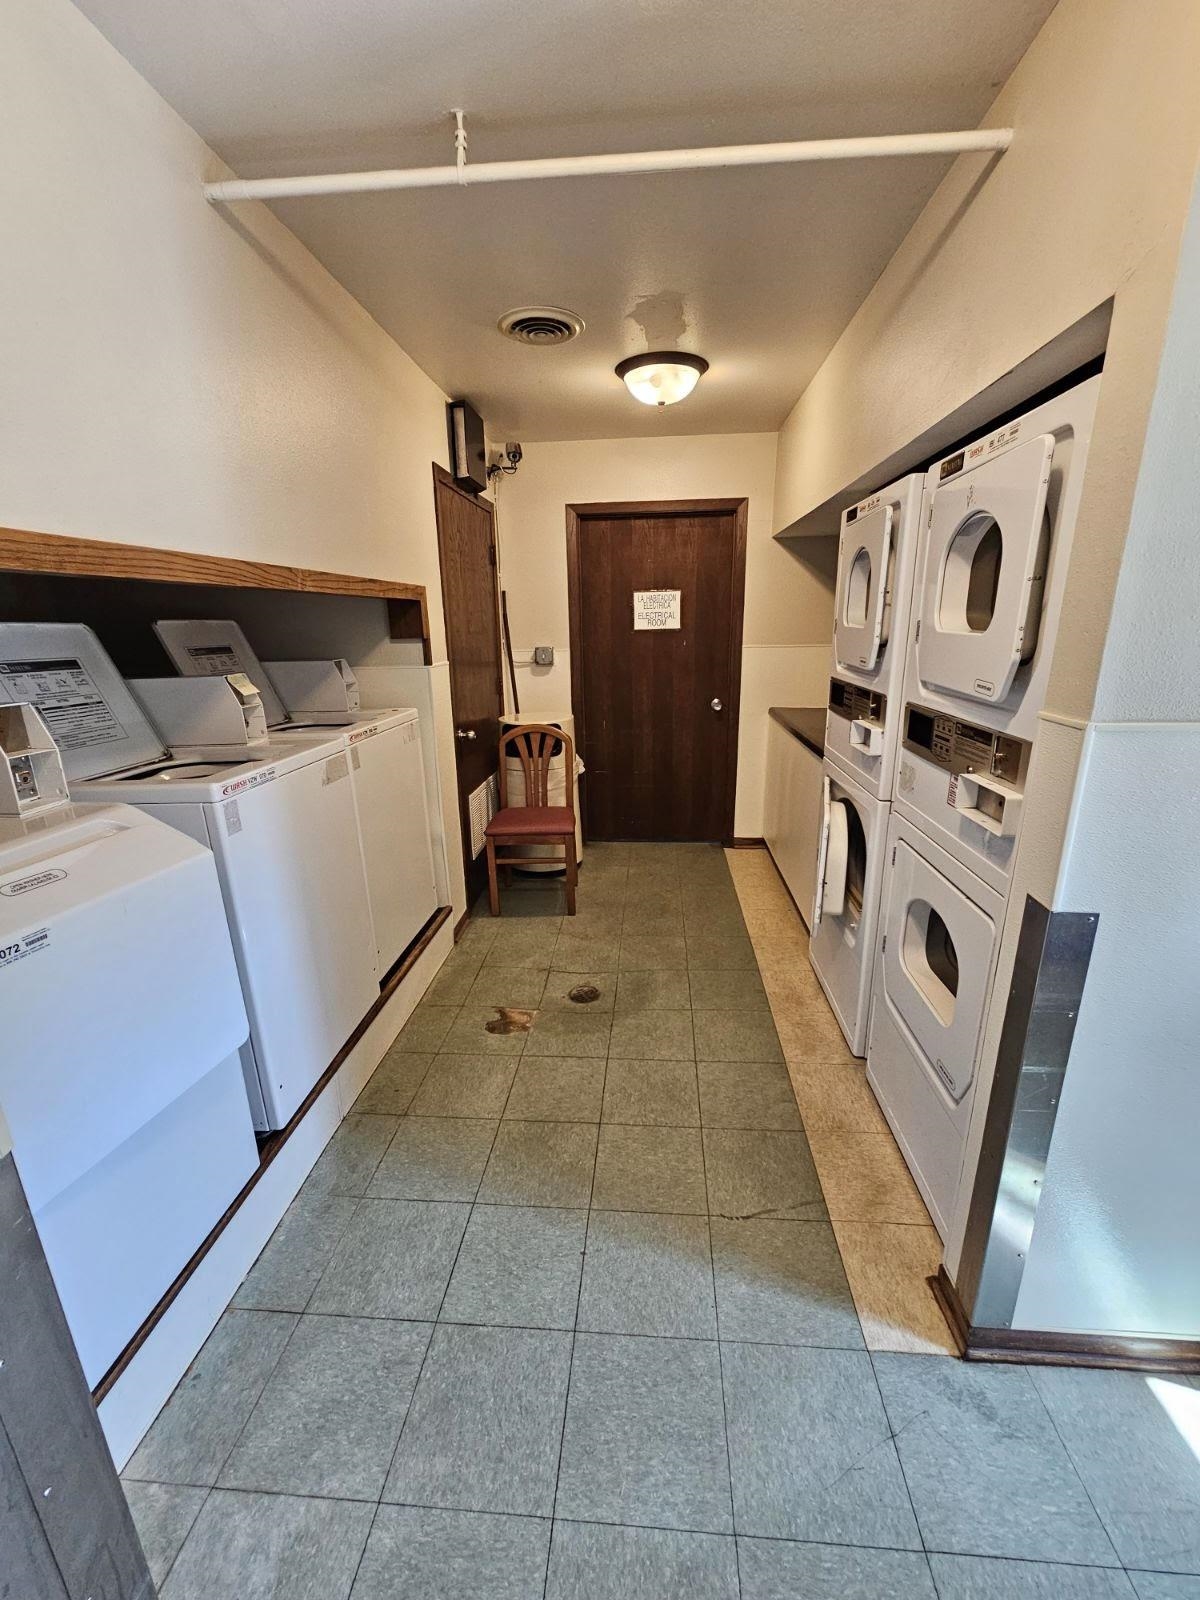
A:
<point x="661" y="377"/>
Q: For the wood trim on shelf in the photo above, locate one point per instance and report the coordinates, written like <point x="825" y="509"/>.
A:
<point x="270" y="1148"/>
<point x="63" y="555"/>
<point x="739" y="843"/>
<point x="1134" y="1352"/>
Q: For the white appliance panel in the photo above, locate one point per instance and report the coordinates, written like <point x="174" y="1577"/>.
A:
<point x="215" y="648"/>
<point x="862" y="611"/>
<point x="926" y="794"/>
<point x="389" y="787"/>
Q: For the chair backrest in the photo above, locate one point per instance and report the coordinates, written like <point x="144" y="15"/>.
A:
<point x="535" y="745"/>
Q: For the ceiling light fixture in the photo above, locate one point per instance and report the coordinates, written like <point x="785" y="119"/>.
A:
<point x="661" y="377"/>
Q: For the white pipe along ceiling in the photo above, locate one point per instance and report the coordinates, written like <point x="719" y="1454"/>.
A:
<point x="617" y="164"/>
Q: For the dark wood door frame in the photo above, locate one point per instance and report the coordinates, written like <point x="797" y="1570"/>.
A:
<point x="661" y="508"/>
<point x="475" y="873"/>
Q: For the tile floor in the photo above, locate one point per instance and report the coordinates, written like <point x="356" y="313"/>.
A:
<point x="631" y="1307"/>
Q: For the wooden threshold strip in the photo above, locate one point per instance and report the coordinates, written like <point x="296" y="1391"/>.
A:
<point x="270" y="1148"/>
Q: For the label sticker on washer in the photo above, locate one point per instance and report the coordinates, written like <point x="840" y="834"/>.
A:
<point x="952" y="791"/>
<point x="336" y="768"/>
<point x="355" y="759"/>
<point x="233" y="817"/>
<point x="213" y="660"/>
<point x="30" y="944"/>
<point x="74" y="710"/>
<point x="32" y="881"/>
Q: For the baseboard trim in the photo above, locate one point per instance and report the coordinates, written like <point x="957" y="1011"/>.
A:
<point x="737" y="843"/>
<point x="460" y="927"/>
<point x="1133" y="1352"/>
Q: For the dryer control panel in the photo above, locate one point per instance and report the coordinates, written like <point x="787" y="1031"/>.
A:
<point x="964" y="747"/>
<point x="855" y="703"/>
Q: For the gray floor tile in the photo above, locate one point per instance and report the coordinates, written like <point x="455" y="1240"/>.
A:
<point x="484" y="1427"/>
<point x="519" y="1267"/>
<point x="657" y="989"/>
<point x="661" y="1093"/>
<point x="987" y="1472"/>
<point x="434" y="1158"/>
<point x="465" y="1086"/>
<point x="585" y="952"/>
<point x="736" y="990"/>
<point x="640" y="952"/>
<point x="652" y="1036"/>
<point x="773" y="1569"/>
<point x="1165" y="1586"/>
<point x="649" y="1169"/>
<point x="297" y="1253"/>
<point x="570" y="1033"/>
<point x="724" y="952"/>
<point x="984" y="1578"/>
<point x="747" y="1095"/>
<point x="659" y="918"/>
<point x="540" y="1164"/>
<point x="508" y="986"/>
<point x="648" y="1273"/>
<point x="390" y="1088"/>
<point x="1134" y="1443"/>
<point x="163" y="1514"/>
<point x="425" y="1029"/>
<point x="267" y="1546"/>
<point x="557" y="1089"/>
<point x="455" y="976"/>
<point x="561" y="985"/>
<point x="518" y="945"/>
<point x="394" y="1260"/>
<point x="328" y="1420"/>
<point x="592" y="1561"/>
<point x="736" y="1036"/>
<point x="810" y="1449"/>
<point x="644" y="1440"/>
<point x="348" y="1162"/>
<point x="754" y="1173"/>
<point x="453" y="1555"/>
<point x="782" y="1283"/>
<point x="469" y="1036"/>
<point x="199" y="1425"/>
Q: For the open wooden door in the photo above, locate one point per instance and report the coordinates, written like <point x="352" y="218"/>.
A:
<point x="467" y="552"/>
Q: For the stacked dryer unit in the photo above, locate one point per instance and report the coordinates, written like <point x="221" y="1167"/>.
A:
<point x="384" y="751"/>
<point x="877" y="553"/>
<point x="991" y="569"/>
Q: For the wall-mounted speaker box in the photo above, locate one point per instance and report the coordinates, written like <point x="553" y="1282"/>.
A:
<point x="468" y="452"/>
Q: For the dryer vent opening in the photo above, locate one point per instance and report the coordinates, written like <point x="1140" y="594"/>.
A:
<point x="931" y="958"/>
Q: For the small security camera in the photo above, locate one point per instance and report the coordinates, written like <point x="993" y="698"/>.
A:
<point x="506" y="462"/>
<point x="512" y="454"/>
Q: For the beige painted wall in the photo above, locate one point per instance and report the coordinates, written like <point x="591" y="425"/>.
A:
<point x="789" y="601"/>
<point x="175" y="375"/>
<point x="1088" y="203"/>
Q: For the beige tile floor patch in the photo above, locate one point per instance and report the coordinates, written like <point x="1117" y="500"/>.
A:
<point x="888" y="1266"/>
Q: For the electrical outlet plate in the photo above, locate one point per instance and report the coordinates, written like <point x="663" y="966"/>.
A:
<point x="543" y="655"/>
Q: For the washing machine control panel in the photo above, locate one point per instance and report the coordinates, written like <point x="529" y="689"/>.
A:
<point x="852" y="701"/>
<point x="964" y="747"/>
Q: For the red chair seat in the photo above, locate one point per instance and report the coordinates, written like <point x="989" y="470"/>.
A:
<point x="532" y="820"/>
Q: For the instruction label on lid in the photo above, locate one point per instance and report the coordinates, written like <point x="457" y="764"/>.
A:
<point x="213" y="660"/>
<point x="74" y="710"/>
<point x="31" y="944"/>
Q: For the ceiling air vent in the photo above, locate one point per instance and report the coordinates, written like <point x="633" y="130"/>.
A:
<point x="541" y="325"/>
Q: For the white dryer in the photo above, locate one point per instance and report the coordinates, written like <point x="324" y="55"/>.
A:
<point x="877" y="557"/>
<point x="850" y="864"/>
<point x="939" y="934"/>
<point x="120" y="1075"/>
<point x="992" y="567"/>
<point x="284" y="830"/>
<point x="384" y="750"/>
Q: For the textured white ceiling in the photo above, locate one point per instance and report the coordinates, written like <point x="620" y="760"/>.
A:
<point x="759" y="270"/>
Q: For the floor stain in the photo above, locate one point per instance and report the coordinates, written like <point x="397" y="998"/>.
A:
<point x="510" y="1019"/>
<point x="583" y="994"/>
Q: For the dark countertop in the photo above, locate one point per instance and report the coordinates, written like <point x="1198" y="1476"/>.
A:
<point x="806" y="723"/>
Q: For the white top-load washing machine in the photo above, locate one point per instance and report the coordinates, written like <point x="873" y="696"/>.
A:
<point x="282" y="826"/>
<point x="877" y="552"/>
<point x="120" y="1076"/>
<point x="991" y="571"/>
<point x="387" y="768"/>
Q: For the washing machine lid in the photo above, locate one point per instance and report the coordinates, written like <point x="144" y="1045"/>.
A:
<point x="862" y="613"/>
<point x="93" y="718"/>
<point x="937" y="965"/>
<point x="985" y="568"/>
<point x="215" y="648"/>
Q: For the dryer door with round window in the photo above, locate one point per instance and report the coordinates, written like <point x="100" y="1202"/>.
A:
<point x="985" y="570"/>
<point x="864" y="590"/>
<point x="937" y="967"/>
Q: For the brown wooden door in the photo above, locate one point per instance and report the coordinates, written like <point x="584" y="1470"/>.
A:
<point x="657" y="708"/>
<point x="467" y="550"/>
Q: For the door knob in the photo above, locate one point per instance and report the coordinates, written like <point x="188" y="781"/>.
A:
<point x="464" y="733"/>
<point x="716" y="704"/>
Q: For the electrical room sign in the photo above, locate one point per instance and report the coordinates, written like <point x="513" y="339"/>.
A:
<point x="656" y="609"/>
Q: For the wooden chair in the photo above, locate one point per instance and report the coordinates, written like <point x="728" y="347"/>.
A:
<point x="535" y="820"/>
